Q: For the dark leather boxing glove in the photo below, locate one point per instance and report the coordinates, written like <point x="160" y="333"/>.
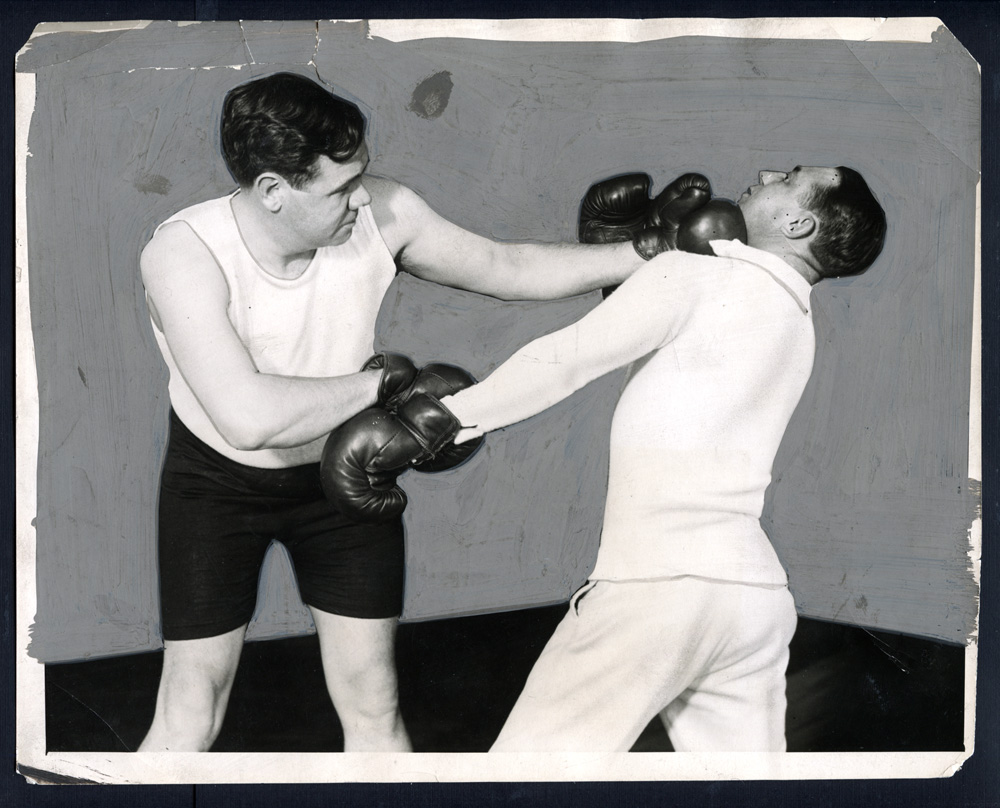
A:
<point x="686" y="193"/>
<point x="398" y="373"/>
<point x="363" y="457"/>
<point x="353" y="481"/>
<point x="615" y="209"/>
<point x="719" y="219"/>
<point x="439" y="380"/>
<point x="619" y="209"/>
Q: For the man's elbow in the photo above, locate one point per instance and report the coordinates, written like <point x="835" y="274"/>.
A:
<point x="524" y="285"/>
<point x="246" y="443"/>
<point x="510" y="295"/>
<point x="242" y="432"/>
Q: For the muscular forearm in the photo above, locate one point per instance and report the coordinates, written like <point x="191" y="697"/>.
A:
<point x="432" y="248"/>
<point x="536" y="271"/>
<point x="277" y="412"/>
<point x="551" y="271"/>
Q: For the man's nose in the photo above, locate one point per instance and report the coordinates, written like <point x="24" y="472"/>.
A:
<point x="767" y="177"/>
<point x="360" y="198"/>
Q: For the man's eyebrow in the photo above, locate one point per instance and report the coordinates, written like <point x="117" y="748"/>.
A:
<point x="348" y="182"/>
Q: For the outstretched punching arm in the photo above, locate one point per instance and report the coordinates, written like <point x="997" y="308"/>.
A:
<point x="643" y="315"/>
<point x="430" y="247"/>
<point x="620" y="224"/>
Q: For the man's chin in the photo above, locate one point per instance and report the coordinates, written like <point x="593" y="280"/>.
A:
<point x="343" y="235"/>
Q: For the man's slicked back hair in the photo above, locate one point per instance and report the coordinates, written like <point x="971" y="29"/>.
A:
<point x="283" y="123"/>
<point x="851" y="225"/>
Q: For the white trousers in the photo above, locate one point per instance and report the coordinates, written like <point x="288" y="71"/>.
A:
<point x="708" y="656"/>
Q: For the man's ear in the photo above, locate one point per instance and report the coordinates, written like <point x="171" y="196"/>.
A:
<point x="270" y="189"/>
<point x="801" y="225"/>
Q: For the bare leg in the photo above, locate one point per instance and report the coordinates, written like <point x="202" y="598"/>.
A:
<point x="359" y="663"/>
<point x="194" y="691"/>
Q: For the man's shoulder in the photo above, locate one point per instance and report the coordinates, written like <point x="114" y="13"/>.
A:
<point x="399" y="211"/>
<point x="173" y="240"/>
<point x="199" y="209"/>
<point x="381" y="185"/>
<point x="679" y="268"/>
<point x="388" y="194"/>
<point x="696" y="280"/>
<point x="184" y="223"/>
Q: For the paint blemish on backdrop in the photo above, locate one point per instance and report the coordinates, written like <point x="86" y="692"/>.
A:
<point x="152" y="184"/>
<point x="431" y="96"/>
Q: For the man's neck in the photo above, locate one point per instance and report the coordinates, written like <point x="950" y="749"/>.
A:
<point x="265" y="240"/>
<point x="791" y="256"/>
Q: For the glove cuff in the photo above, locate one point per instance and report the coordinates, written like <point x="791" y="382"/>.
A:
<point x="431" y="423"/>
<point x="398" y="373"/>
<point x="653" y="240"/>
<point x="639" y="251"/>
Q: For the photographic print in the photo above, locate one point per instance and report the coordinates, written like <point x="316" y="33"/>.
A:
<point x="497" y="400"/>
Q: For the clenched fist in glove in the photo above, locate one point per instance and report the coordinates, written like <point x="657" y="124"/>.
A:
<point x="683" y="216"/>
<point x="363" y="457"/>
<point x="398" y="373"/>
<point x="619" y="209"/>
<point x="439" y="380"/>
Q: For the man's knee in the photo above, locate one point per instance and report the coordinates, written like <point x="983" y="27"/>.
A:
<point x="359" y="663"/>
<point x="369" y="692"/>
<point x="194" y="690"/>
<point x="185" y="721"/>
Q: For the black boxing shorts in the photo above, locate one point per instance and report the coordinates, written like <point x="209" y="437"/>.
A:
<point x="217" y="518"/>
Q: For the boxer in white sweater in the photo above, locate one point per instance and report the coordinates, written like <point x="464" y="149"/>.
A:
<point x="687" y="613"/>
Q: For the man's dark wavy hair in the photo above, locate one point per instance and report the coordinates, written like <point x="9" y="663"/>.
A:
<point x="851" y="226"/>
<point x="283" y="123"/>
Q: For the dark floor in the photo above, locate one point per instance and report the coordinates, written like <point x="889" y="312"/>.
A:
<point x="848" y="690"/>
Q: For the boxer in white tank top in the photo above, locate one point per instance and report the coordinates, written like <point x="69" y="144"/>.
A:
<point x="287" y="325"/>
<point x="263" y="305"/>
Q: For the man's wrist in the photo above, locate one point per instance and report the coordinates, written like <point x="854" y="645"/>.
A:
<point x="372" y="380"/>
<point x="466" y="434"/>
<point x="457" y="404"/>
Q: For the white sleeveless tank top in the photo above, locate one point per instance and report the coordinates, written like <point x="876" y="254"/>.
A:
<point x="319" y="324"/>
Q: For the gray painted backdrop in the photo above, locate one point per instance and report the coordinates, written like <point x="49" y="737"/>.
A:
<point x="871" y="503"/>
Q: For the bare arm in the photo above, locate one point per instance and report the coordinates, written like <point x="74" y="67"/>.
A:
<point x="188" y="298"/>
<point x="432" y="248"/>
<point x="641" y="316"/>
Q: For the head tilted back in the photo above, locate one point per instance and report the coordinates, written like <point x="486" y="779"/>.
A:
<point x="851" y="228"/>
